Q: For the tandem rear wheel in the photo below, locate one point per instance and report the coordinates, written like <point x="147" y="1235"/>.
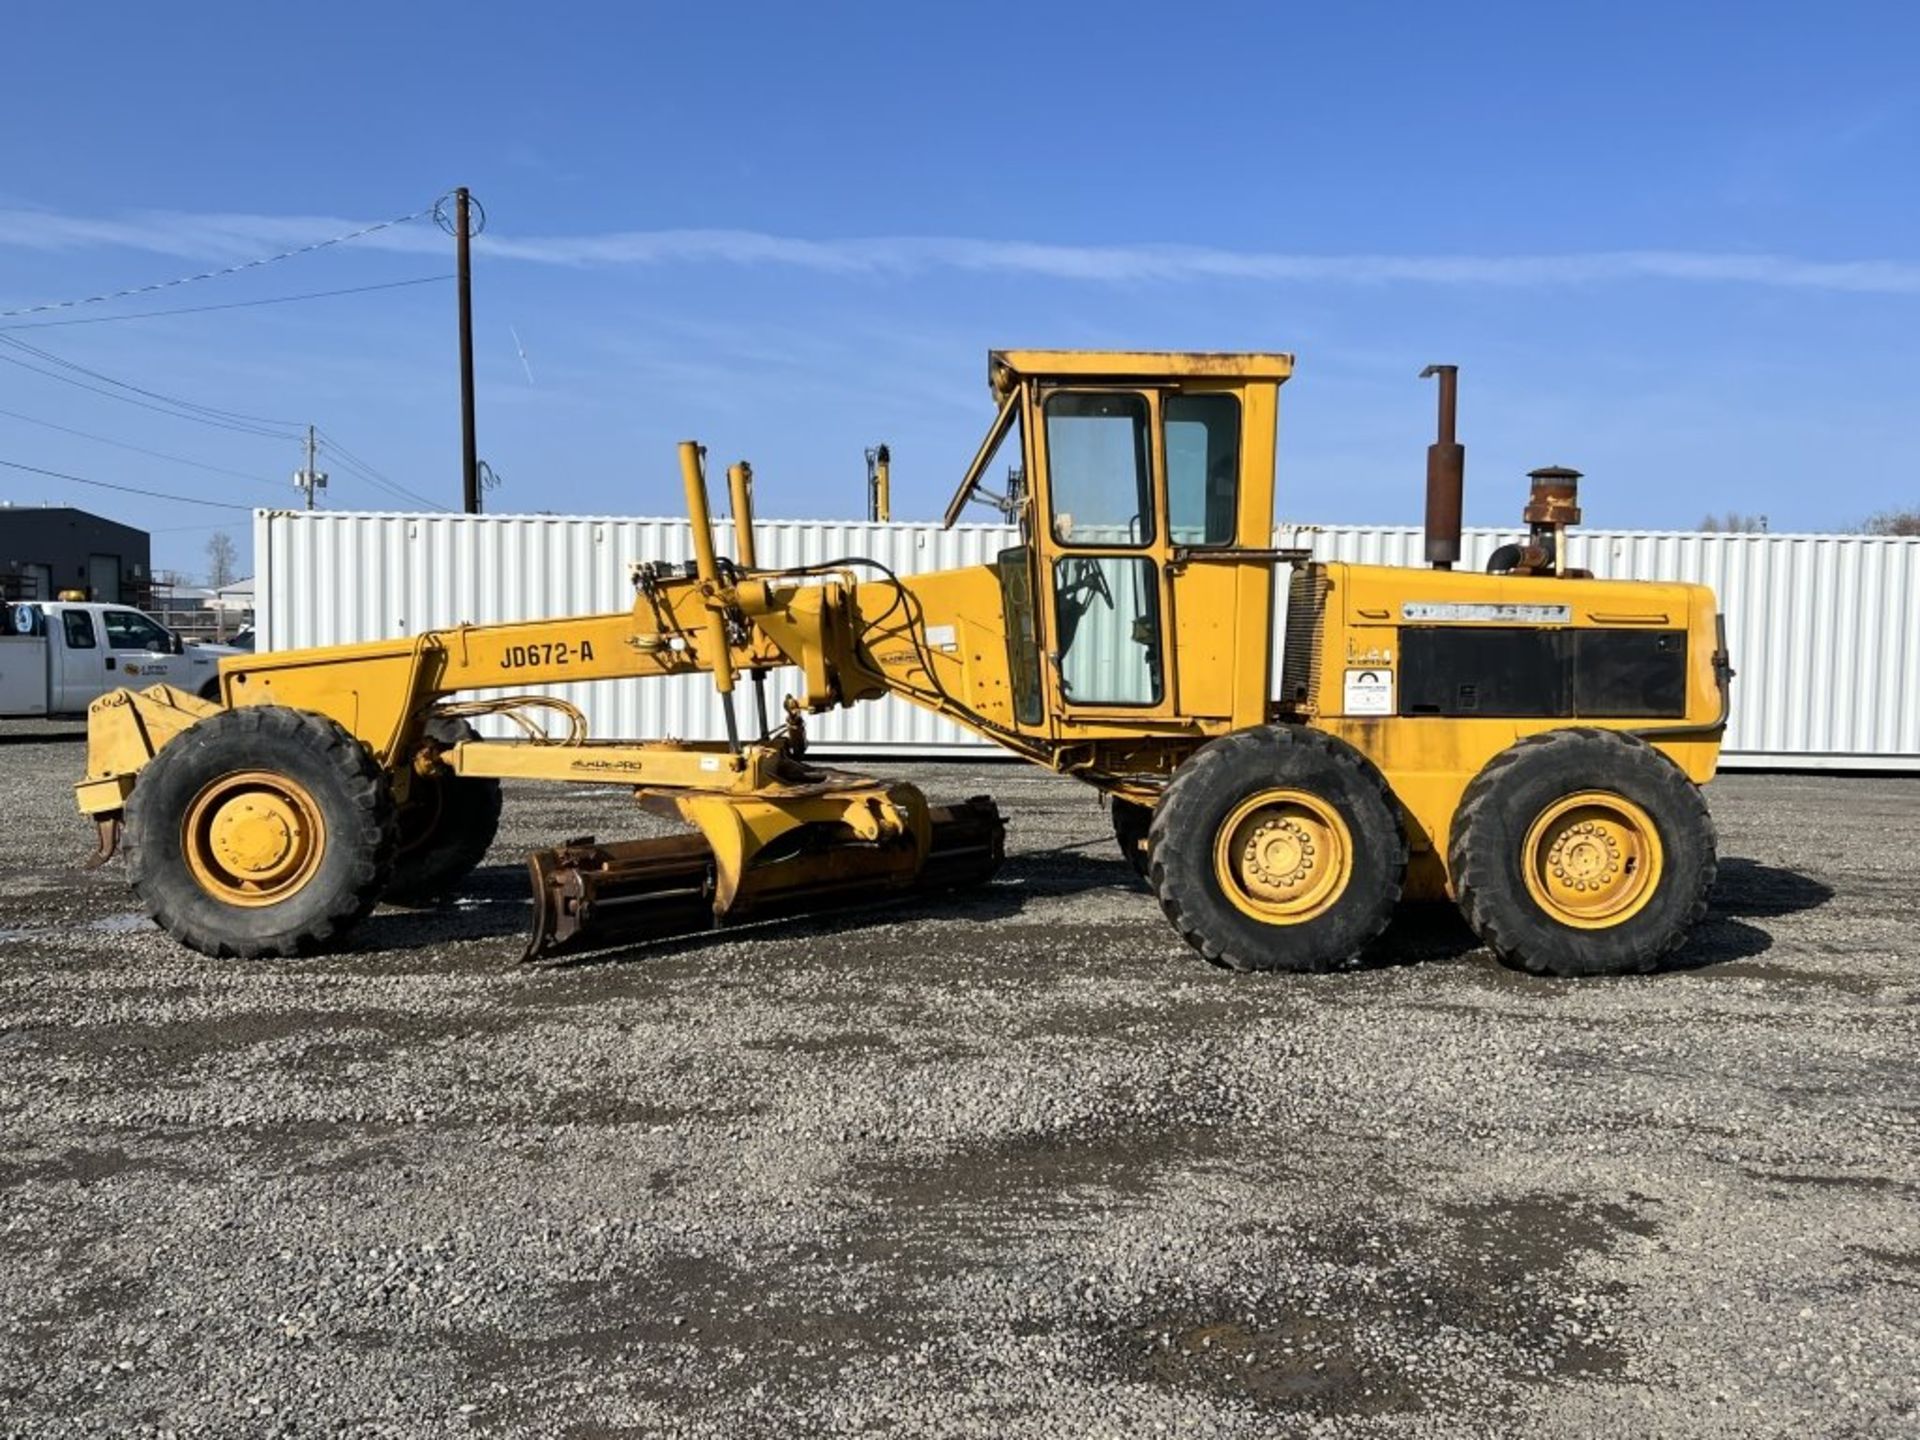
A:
<point x="1582" y="852"/>
<point x="1277" y="848"/>
<point x="261" y="831"/>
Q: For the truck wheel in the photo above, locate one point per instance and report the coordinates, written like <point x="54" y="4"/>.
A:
<point x="1277" y="848"/>
<point x="1130" y="824"/>
<point x="1582" y="852"/>
<point x="260" y="831"/>
<point x="446" y="826"/>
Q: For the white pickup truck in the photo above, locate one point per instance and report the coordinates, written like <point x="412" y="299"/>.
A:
<point x="57" y="656"/>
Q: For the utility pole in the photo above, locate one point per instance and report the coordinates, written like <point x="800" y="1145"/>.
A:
<point x="463" y="268"/>
<point x="310" y="479"/>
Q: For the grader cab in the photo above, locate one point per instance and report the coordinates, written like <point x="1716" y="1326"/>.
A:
<point x="1529" y="743"/>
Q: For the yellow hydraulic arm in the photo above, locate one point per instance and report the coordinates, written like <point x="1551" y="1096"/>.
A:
<point x="773" y="829"/>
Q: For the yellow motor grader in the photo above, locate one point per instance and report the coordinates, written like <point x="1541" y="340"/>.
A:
<point x="1529" y="742"/>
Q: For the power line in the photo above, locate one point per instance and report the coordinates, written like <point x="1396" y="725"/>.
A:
<point x="80" y="369"/>
<point x="129" y="400"/>
<point x="178" y="409"/>
<point x="371" y="475"/>
<point x="216" y="274"/>
<point x="352" y="459"/>
<point x="398" y="492"/>
<point x="232" y="305"/>
<point x="139" y="449"/>
<point x="181" y="409"/>
<point x="232" y="420"/>
<point x="125" y="489"/>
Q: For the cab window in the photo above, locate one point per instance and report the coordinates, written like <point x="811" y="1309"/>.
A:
<point x="1099" y="469"/>
<point x="79" y="628"/>
<point x="1108" y="614"/>
<point x="1008" y="466"/>
<point x="1203" y="468"/>
<point x="130" y="630"/>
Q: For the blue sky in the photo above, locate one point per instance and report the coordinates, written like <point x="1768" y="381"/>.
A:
<point x="1672" y="246"/>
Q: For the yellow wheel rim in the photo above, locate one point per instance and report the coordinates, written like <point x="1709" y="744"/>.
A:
<point x="1283" y="857"/>
<point x="1593" y="860"/>
<point x="253" y="838"/>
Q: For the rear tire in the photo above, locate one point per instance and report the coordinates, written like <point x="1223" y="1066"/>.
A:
<point x="446" y="826"/>
<point x="1131" y="822"/>
<point x="1277" y="848"/>
<point x="1582" y="852"/>
<point x="261" y="831"/>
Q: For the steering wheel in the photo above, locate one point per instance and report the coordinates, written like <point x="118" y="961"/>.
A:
<point x="1089" y="576"/>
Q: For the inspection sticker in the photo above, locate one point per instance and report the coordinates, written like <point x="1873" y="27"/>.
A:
<point x="1369" y="692"/>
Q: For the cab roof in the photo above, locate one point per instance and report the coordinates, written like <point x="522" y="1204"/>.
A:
<point x="1006" y="367"/>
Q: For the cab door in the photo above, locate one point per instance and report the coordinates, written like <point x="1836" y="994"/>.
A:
<point x="77" y="672"/>
<point x="141" y="649"/>
<point x="1155" y="606"/>
<point x="1102" y="553"/>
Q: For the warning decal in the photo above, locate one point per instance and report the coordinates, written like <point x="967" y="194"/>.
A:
<point x="1369" y="692"/>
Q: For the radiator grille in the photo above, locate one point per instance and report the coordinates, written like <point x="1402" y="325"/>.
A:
<point x="1306" y="610"/>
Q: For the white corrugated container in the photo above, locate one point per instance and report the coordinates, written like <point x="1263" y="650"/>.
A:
<point x="1824" y="629"/>
<point x="334" y="577"/>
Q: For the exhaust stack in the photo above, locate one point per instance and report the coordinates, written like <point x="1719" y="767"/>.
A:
<point x="879" y="483"/>
<point x="1446" y="474"/>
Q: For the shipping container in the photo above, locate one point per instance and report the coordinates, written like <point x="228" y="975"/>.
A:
<point x="1824" y="629"/>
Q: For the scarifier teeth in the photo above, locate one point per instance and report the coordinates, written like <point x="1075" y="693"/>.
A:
<point x="589" y="896"/>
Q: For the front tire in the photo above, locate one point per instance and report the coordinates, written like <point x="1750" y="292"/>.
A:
<point x="1277" y="848"/>
<point x="261" y="831"/>
<point x="1582" y="852"/>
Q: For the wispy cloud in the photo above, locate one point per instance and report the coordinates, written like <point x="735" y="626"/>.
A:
<point x="229" y="236"/>
<point x="1149" y="263"/>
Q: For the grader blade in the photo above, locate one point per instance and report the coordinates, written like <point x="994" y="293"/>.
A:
<point x="591" y="896"/>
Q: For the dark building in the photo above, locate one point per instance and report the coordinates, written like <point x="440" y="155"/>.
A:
<point x="49" y="550"/>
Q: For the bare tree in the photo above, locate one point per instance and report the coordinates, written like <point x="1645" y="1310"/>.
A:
<point x="222" y="560"/>
<point x="1893" y="522"/>
<point x="1734" y="523"/>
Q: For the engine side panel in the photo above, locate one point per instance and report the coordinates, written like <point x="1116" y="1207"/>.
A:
<point x="1432" y="673"/>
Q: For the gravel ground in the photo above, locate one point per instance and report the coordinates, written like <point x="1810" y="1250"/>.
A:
<point x="1018" y="1166"/>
